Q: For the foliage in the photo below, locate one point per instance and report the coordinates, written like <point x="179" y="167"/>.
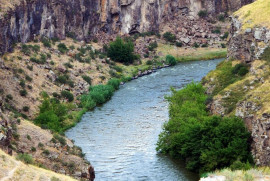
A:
<point x="23" y="92"/>
<point x="121" y="51"/>
<point x="62" y="48"/>
<point x="114" y="83"/>
<point x="179" y="44"/>
<point x="266" y="54"/>
<point x="171" y="60"/>
<point x="87" y="79"/>
<point x="152" y="46"/>
<point x="205" y="142"/>
<point x="202" y="13"/>
<point x="101" y="93"/>
<point x="238" y="165"/>
<point x="168" y="36"/>
<point x="51" y="114"/>
<point x="26" y="158"/>
<point x="46" y="42"/>
<point x="240" y="69"/>
<point x="67" y="95"/>
<point x="217" y="30"/>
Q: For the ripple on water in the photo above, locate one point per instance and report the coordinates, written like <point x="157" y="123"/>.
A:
<point x="119" y="138"/>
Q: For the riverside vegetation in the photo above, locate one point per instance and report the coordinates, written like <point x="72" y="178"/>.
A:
<point x="205" y="141"/>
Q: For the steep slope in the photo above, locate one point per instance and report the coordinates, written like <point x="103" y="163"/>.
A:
<point x="11" y="169"/>
<point x="246" y="95"/>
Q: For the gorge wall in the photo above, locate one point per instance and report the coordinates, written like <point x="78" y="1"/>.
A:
<point x="84" y="19"/>
<point x="248" y="97"/>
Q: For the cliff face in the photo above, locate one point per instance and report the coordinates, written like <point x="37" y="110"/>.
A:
<point x="247" y="97"/>
<point x="86" y="18"/>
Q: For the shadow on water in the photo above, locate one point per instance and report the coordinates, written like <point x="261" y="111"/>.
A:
<point x="120" y="137"/>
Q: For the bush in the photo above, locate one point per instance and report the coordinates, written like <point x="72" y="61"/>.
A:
<point x="25" y="108"/>
<point x="171" y="60"/>
<point x="203" y="13"/>
<point x="26" y="158"/>
<point x="101" y="93"/>
<point x="217" y="30"/>
<point x="240" y="69"/>
<point x="168" y="36"/>
<point x="118" y="69"/>
<point x="115" y="83"/>
<point x="67" y="95"/>
<point x="225" y="36"/>
<point x="87" y="102"/>
<point x="62" y="79"/>
<point x="196" y="45"/>
<point x="23" y="92"/>
<point x="87" y="79"/>
<point x="152" y="46"/>
<point x="221" y="17"/>
<point x="266" y="54"/>
<point x="46" y="42"/>
<point x="223" y="45"/>
<point x="121" y="51"/>
<point x="62" y="48"/>
<point x="206" y="142"/>
<point x="179" y="44"/>
<point x="61" y="139"/>
<point x="238" y="165"/>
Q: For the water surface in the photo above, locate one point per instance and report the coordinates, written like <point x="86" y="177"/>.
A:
<point x="119" y="138"/>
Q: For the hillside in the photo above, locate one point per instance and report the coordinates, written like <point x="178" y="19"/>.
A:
<point x="11" y="169"/>
<point x="240" y="85"/>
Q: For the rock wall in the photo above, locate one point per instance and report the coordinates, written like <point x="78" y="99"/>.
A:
<point x="87" y="18"/>
<point x="247" y="44"/>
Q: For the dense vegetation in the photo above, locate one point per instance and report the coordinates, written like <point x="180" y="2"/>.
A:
<point x="122" y="51"/>
<point x="206" y="142"/>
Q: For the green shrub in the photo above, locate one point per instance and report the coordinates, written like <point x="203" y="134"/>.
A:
<point x="101" y="93"/>
<point x="203" y="13"/>
<point x="223" y="45"/>
<point x="46" y="42"/>
<point x="171" y="60"/>
<point x="28" y="78"/>
<point x="87" y="79"/>
<point x="25" y="108"/>
<point x="238" y="165"/>
<point x="62" y="48"/>
<point x="87" y="102"/>
<point x="33" y="149"/>
<point x="217" y="30"/>
<point x="115" y="83"/>
<point x="240" y="69"/>
<point x="122" y="51"/>
<point x="196" y="45"/>
<point x="46" y="152"/>
<point x="179" y="44"/>
<point x="67" y="95"/>
<point x="23" y="92"/>
<point x="266" y="54"/>
<point x="26" y="158"/>
<point x="9" y="96"/>
<point x="152" y="46"/>
<point x="118" y="69"/>
<point x="61" y="139"/>
<point x="168" y="36"/>
<point x="225" y="36"/>
<point x="26" y="50"/>
<point x="206" y="142"/>
<point x="221" y="17"/>
<point x="62" y="79"/>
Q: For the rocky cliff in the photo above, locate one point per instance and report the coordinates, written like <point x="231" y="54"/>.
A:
<point x="21" y="21"/>
<point x="246" y="96"/>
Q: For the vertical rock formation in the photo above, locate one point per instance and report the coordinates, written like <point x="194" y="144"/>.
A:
<point x="85" y="18"/>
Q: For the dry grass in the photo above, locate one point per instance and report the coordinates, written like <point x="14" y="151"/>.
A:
<point x="255" y="14"/>
<point x="10" y="169"/>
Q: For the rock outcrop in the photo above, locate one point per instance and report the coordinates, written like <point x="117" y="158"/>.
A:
<point x="87" y="18"/>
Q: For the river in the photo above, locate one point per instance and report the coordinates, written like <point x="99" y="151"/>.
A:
<point x="119" y="138"/>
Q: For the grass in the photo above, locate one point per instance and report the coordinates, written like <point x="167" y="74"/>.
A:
<point x="207" y="55"/>
<point x="249" y="14"/>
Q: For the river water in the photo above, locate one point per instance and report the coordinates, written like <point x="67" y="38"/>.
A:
<point x="119" y="138"/>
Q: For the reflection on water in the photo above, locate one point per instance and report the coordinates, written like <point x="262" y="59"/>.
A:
<point x="119" y="138"/>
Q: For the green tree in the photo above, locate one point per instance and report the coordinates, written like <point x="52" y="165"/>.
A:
<point x="122" y="51"/>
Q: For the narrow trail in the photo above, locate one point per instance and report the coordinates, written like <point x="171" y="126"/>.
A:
<point x="11" y="173"/>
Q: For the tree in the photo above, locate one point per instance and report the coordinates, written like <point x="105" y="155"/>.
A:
<point x="121" y="51"/>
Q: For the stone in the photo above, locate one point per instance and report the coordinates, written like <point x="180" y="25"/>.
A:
<point x="185" y="40"/>
<point x="248" y="30"/>
<point x="258" y="34"/>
